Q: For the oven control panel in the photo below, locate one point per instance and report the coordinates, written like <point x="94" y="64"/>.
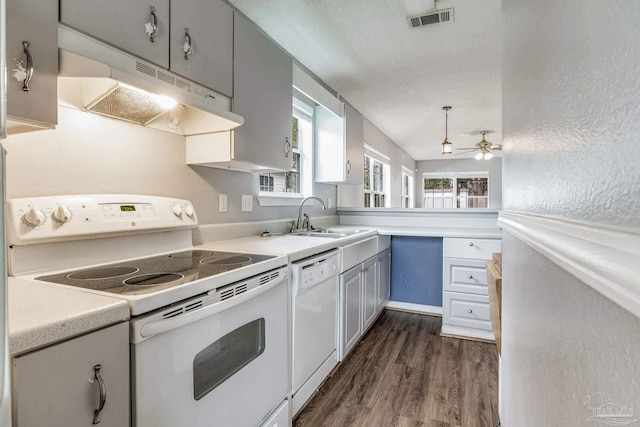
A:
<point x="60" y="218"/>
<point x="126" y="212"/>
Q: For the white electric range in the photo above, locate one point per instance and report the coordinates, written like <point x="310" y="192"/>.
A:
<point x="206" y="327"/>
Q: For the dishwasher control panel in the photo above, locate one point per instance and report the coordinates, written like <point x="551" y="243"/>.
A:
<point x="312" y="271"/>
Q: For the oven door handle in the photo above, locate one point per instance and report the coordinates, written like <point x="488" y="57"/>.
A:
<point x="151" y="329"/>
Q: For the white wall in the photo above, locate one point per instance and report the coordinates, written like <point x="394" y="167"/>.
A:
<point x="352" y="196"/>
<point x="570" y="126"/>
<point x="493" y="166"/>
<point x="88" y="153"/>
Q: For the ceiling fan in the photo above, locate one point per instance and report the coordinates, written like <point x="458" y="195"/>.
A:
<point x="484" y="148"/>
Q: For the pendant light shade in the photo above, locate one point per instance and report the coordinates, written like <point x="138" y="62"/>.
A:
<point x="447" y="147"/>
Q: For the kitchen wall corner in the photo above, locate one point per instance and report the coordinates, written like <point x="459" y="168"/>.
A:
<point x="88" y="153"/>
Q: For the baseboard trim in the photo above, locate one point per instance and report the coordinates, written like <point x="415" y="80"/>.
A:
<point x="415" y="308"/>
<point x="467" y="333"/>
<point x="605" y="258"/>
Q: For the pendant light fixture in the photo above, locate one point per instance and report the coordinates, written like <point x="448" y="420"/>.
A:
<point x="447" y="147"/>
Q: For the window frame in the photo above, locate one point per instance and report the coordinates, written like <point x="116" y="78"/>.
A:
<point x="375" y="156"/>
<point x="407" y="197"/>
<point x="456" y="198"/>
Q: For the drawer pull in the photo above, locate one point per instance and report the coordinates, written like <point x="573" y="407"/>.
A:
<point x="470" y="243"/>
<point x="469" y="311"/>
<point x="470" y="277"/>
<point x="152" y="27"/>
<point x="103" y="394"/>
<point x="187" y="46"/>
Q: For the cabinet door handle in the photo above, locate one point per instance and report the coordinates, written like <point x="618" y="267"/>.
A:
<point x="151" y="27"/>
<point x="103" y="394"/>
<point x="29" y="68"/>
<point x="469" y="311"/>
<point x="187" y="46"/>
<point x="470" y="277"/>
<point x="287" y="147"/>
<point x="470" y="243"/>
<point x="348" y="166"/>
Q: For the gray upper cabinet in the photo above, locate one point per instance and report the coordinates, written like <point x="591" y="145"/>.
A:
<point x="339" y="146"/>
<point x="138" y="27"/>
<point x="201" y="46"/>
<point x="32" y="27"/>
<point x="354" y="138"/>
<point x="262" y="93"/>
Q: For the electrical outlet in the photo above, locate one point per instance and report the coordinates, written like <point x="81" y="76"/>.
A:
<point x="222" y="202"/>
<point x="247" y="203"/>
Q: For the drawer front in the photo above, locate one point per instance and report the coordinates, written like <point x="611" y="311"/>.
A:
<point x="466" y="310"/>
<point x="467" y="276"/>
<point x="471" y="248"/>
<point x="358" y="252"/>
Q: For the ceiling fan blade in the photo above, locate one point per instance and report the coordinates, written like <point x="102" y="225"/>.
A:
<point x="496" y="147"/>
<point x="459" y="154"/>
<point x="467" y="148"/>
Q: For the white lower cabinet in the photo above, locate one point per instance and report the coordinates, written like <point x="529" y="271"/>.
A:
<point x="369" y="291"/>
<point x="350" y="311"/>
<point x="80" y="382"/>
<point x="364" y="289"/>
<point x="465" y="299"/>
<point x="279" y="417"/>
<point x="384" y="278"/>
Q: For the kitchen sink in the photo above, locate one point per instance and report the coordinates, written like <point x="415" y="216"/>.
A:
<point x="328" y="232"/>
<point x="319" y="234"/>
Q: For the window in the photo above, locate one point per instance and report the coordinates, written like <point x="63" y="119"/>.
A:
<point x="376" y="179"/>
<point x="455" y="190"/>
<point x="407" y="188"/>
<point x="292" y="182"/>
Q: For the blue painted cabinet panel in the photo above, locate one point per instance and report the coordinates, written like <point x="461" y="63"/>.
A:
<point x="416" y="270"/>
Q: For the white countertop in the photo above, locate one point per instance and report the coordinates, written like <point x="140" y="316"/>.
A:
<point x="477" y="233"/>
<point x="295" y="247"/>
<point x="298" y="247"/>
<point x="41" y="314"/>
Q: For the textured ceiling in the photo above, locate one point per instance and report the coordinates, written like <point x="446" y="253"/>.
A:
<point x="399" y="78"/>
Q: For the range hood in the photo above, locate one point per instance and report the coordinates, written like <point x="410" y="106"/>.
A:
<point x="96" y="77"/>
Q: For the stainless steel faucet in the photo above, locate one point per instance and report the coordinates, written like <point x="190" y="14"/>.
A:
<point x="301" y="221"/>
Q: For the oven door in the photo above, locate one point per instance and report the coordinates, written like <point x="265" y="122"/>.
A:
<point x="228" y="368"/>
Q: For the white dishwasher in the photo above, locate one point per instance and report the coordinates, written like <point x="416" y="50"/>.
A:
<point x="314" y="327"/>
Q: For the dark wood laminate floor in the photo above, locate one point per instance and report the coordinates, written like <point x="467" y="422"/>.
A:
<point x="403" y="373"/>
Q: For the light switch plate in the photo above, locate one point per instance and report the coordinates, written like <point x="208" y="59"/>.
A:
<point x="222" y="203"/>
<point x="247" y="203"/>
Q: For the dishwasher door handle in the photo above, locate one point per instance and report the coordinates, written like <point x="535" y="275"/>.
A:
<point x="158" y="327"/>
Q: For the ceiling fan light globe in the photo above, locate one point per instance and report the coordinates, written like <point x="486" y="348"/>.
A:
<point x="478" y="156"/>
<point x="488" y="156"/>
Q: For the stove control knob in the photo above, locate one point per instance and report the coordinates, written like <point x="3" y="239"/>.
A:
<point x="189" y="211"/>
<point x="177" y="210"/>
<point x="34" y="217"/>
<point x="61" y="214"/>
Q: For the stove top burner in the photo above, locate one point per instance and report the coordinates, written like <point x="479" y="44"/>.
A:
<point x="149" y="275"/>
<point x="232" y="260"/>
<point x="153" y="279"/>
<point x="102" y="273"/>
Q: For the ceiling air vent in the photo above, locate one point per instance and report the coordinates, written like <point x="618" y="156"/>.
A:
<point x="438" y="17"/>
